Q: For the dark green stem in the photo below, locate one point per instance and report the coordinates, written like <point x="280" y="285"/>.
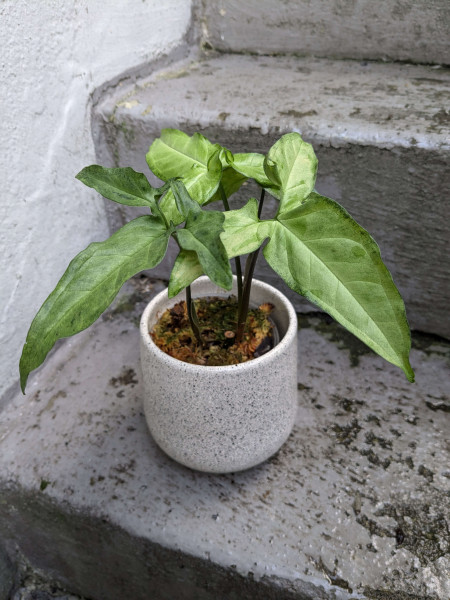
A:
<point x="249" y="270"/>
<point x="237" y="260"/>
<point x="192" y="314"/>
<point x="193" y="319"/>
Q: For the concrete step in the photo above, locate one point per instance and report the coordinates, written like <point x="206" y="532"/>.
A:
<point x="393" y="30"/>
<point x="380" y="131"/>
<point x="354" y="505"/>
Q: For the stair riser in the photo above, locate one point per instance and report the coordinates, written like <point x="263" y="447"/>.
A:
<point x="358" y="29"/>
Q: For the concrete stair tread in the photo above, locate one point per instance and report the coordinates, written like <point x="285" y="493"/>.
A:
<point x="354" y="504"/>
<point x="328" y="101"/>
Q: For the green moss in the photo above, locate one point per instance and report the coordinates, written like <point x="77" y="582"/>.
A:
<point x="334" y="332"/>
<point x="125" y="304"/>
<point x="388" y="595"/>
<point x="346" y="434"/>
<point x="425" y="531"/>
<point x="324" y="324"/>
<point x="128" y="133"/>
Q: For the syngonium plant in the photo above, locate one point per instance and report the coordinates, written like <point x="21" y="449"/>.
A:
<point x="313" y="243"/>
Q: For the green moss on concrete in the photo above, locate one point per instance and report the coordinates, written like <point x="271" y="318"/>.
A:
<point x="387" y="595"/>
<point x="333" y="331"/>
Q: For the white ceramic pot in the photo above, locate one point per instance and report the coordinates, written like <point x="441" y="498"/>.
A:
<point x="221" y="419"/>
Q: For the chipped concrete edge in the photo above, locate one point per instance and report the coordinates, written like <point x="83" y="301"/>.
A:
<point x="28" y="521"/>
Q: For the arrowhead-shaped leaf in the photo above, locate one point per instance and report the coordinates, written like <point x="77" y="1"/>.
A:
<point x="201" y="234"/>
<point x="201" y="183"/>
<point x="89" y="285"/>
<point x="292" y="162"/>
<point x="175" y="154"/>
<point x="186" y="269"/>
<point x="243" y="232"/>
<point x="202" y="250"/>
<point x="122" y="185"/>
<point x="193" y="159"/>
<point x="323" y="254"/>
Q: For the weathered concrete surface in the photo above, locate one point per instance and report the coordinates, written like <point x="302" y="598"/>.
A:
<point x="7" y="575"/>
<point x="42" y="593"/>
<point x="380" y="131"/>
<point x="387" y="29"/>
<point x="32" y="584"/>
<point x="355" y="505"/>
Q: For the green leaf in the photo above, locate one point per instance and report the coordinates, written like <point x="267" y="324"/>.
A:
<point x="226" y="156"/>
<point x="251" y="165"/>
<point x="271" y="170"/>
<point x="122" y="185"/>
<point x="231" y="181"/>
<point x="175" y="154"/>
<point x="89" y="285"/>
<point x="243" y="232"/>
<point x="183" y="201"/>
<point x="201" y="184"/>
<point x="202" y="235"/>
<point x="323" y="254"/>
<point x="186" y="269"/>
<point x="293" y="163"/>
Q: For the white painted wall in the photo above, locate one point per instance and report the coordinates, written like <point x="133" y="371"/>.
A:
<point x="54" y="53"/>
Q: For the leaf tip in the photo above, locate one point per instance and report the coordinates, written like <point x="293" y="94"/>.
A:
<point x="173" y="290"/>
<point x="408" y="370"/>
<point x="23" y="379"/>
<point x="83" y="175"/>
<point x="23" y="370"/>
<point x="410" y="375"/>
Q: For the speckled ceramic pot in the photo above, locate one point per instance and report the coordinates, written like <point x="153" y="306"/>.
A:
<point x="221" y="419"/>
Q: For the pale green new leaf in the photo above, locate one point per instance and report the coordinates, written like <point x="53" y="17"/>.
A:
<point x="175" y="154"/>
<point x="243" y="232"/>
<point x="186" y="269"/>
<point x="201" y="234"/>
<point x="293" y="162"/>
<point x="271" y="170"/>
<point x="122" y="185"/>
<point x="251" y="165"/>
<point x="201" y="185"/>
<point x="89" y="285"/>
<point x="323" y="254"/>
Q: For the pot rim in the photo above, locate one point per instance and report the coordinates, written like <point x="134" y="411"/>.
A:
<point x="286" y="340"/>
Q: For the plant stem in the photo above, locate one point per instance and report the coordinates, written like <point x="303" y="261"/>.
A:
<point x="193" y="319"/>
<point x="249" y="270"/>
<point x="237" y="260"/>
<point x="192" y="314"/>
<point x="261" y="202"/>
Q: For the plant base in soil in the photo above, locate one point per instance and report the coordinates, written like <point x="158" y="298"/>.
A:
<point x="218" y="319"/>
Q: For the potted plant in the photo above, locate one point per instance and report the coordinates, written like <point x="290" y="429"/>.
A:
<point x="225" y="417"/>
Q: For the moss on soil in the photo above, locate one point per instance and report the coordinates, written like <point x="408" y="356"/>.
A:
<point x="217" y="318"/>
